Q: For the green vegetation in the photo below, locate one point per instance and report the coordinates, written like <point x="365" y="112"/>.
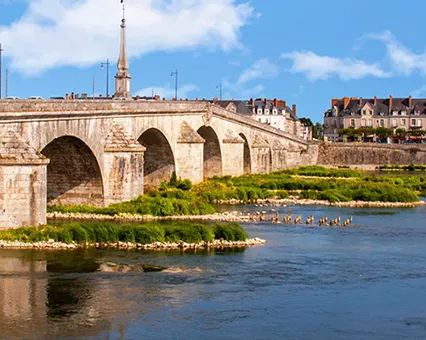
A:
<point x="178" y="197"/>
<point x="380" y="132"/>
<point x="82" y="232"/>
<point x="411" y="167"/>
<point x="334" y="185"/>
<point x="169" y="202"/>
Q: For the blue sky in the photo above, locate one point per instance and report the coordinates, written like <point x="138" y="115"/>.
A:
<point x="304" y="51"/>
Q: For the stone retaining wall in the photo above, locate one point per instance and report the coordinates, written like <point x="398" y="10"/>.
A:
<point x="363" y="154"/>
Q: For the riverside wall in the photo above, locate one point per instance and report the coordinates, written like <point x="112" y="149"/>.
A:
<point x="370" y="154"/>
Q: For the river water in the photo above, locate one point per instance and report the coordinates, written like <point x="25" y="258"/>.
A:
<point x="367" y="281"/>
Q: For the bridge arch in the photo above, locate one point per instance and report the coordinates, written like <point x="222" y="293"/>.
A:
<point x="159" y="162"/>
<point x="212" y="157"/>
<point x="246" y="155"/>
<point x="73" y="174"/>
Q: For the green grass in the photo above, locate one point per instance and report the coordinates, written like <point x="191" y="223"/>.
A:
<point x="82" y="232"/>
<point x="180" y="197"/>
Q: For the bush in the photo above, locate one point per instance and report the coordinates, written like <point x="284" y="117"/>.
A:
<point x="230" y="232"/>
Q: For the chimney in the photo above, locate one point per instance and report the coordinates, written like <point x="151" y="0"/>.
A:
<point x="345" y="102"/>
<point x="293" y="108"/>
<point x="284" y="104"/>
<point x="390" y="102"/>
<point x="410" y="101"/>
<point x="276" y="102"/>
<point x="251" y="101"/>
<point x="196" y="99"/>
<point x="360" y="101"/>
<point x="375" y="100"/>
<point x="334" y="102"/>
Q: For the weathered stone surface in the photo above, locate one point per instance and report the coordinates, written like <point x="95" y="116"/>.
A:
<point x="105" y="151"/>
<point x="22" y="182"/>
<point x="364" y="154"/>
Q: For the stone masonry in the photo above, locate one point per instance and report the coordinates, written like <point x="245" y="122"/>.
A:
<point x="22" y="182"/>
<point x="106" y="151"/>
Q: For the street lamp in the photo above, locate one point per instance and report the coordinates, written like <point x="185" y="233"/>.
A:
<point x="1" y="50"/>
<point x="107" y="75"/>
<point x="175" y="73"/>
<point x="220" y="87"/>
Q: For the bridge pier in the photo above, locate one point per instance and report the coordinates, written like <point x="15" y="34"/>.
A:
<point x="23" y="193"/>
<point x="189" y="155"/>
<point x="123" y="167"/>
<point x="233" y="156"/>
<point x="261" y="156"/>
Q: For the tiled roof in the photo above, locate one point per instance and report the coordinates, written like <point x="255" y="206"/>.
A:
<point x="380" y="105"/>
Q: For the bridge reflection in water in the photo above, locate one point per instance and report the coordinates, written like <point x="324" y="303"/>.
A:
<point x="90" y="293"/>
<point x="45" y="296"/>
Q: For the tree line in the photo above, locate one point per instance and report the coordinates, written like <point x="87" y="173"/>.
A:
<point x="380" y="132"/>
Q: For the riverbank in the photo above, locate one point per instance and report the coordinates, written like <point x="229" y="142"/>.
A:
<point x="270" y="202"/>
<point x="53" y="245"/>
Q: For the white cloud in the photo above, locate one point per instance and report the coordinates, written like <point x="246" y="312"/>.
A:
<point x="402" y="59"/>
<point x="418" y="92"/>
<point x="243" y="87"/>
<point x="261" y="69"/>
<point x="317" y="67"/>
<point x="79" y="33"/>
<point x="168" y="91"/>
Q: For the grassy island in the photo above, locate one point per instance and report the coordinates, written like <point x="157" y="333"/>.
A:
<point x="147" y="233"/>
<point x="180" y="197"/>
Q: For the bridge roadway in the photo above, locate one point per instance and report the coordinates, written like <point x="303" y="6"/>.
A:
<point x="105" y="151"/>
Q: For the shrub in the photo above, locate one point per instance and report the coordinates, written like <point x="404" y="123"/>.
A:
<point x="230" y="232"/>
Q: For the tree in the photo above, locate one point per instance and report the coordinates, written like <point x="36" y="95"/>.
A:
<point x="383" y="132"/>
<point x="317" y="130"/>
<point x="306" y="121"/>
<point x="401" y="132"/>
<point x="350" y="132"/>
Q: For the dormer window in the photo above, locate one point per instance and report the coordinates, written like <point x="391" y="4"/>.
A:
<point x="259" y="111"/>
<point x="403" y="113"/>
<point x="364" y="112"/>
<point x="266" y="111"/>
<point x="371" y="112"/>
<point x="274" y="111"/>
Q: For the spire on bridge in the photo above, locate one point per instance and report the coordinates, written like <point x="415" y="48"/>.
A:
<point x="122" y="78"/>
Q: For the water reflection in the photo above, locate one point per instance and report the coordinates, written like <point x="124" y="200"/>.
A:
<point x="359" y="282"/>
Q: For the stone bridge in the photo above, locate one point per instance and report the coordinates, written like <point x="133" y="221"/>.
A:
<point x="105" y="151"/>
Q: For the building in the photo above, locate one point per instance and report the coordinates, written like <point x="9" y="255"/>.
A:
<point x="391" y="113"/>
<point x="272" y="112"/>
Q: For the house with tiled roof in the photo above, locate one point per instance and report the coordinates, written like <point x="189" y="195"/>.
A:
<point x="272" y="112"/>
<point x="392" y="113"/>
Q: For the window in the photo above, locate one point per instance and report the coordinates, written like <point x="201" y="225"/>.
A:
<point x="403" y="122"/>
<point x="371" y="112"/>
<point x="419" y="122"/>
<point x="363" y="124"/>
<point x="364" y="112"/>
<point x="352" y="122"/>
<point x="370" y="123"/>
<point x="266" y="111"/>
<point x="394" y="113"/>
<point x="394" y="123"/>
<point x="259" y="111"/>
<point x="274" y="111"/>
<point x="382" y="122"/>
<point x="413" y="122"/>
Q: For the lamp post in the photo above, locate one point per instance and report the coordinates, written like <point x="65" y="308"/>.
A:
<point x="175" y="73"/>
<point x="1" y="70"/>
<point x="220" y="87"/>
<point x="107" y="75"/>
